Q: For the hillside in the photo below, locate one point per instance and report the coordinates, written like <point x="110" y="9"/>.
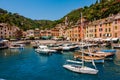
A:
<point x="21" y="21"/>
<point x="99" y="10"/>
<point x="96" y="11"/>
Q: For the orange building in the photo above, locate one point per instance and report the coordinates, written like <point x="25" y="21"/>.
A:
<point x="45" y="33"/>
<point x="104" y="28"/>
<point x="55" y="32"/>
<point x="75" y="33"/>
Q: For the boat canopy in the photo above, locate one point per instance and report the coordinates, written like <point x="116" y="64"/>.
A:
<point x="115" y="39"/>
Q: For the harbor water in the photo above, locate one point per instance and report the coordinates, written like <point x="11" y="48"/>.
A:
<point x="26" y="64"/>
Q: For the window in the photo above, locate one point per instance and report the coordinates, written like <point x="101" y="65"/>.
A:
<point x="105" y="24"/>
<point x="105" y="29"/>
<point x="109" y="24"/>
<point x="115" y="21"/>
<point x="100" y="29"/>
<point x="115" y="34"/>
<point x="95" y="30"/>
<point x="95" y="26"/>
<point x="109" y="29"/>
<point x="100" y="35"/>
<point x="115" y="27"/>
<point x="95" y="35"/>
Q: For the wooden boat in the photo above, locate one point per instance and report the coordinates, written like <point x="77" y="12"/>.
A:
<point x="109" y="50"/>
<point x="88" y="58"/>
<point x="99" y="54"/>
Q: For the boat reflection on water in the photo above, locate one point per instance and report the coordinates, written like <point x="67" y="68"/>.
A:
<point x="117" y="58"/>
<point x="43" y="58"/>
<point x="9" y="52"/>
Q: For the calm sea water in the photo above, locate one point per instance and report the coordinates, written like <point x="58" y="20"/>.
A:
<point x="28" y="65"/>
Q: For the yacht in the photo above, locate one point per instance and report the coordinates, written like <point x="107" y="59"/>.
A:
<point x="80" y="69"/>
<point x="67" y="47"/>
<point x="44" y="50"/>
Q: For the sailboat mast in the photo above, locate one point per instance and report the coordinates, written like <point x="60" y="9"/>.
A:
<point x="82" y="42"/>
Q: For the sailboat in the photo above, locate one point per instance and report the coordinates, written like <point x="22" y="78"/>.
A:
<point x="81" y="68"/>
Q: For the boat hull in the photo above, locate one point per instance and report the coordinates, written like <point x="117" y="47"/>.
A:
<point x="116" y="47"/>
<point x="79" y="69"/>
<point x="113" y="51"/>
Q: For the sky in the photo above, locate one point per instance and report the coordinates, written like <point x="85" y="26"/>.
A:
<point x="43" y="9"/>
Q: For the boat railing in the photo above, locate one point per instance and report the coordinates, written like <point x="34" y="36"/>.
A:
<point x="73" y="61"/>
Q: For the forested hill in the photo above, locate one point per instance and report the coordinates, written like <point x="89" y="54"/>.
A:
<point x="99" y="10"/>
<point x="21" y="21"/>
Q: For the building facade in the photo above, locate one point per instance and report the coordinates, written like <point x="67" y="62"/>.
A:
<point x="7" y="31"/>
<point x="45" y="33"/>
<point x="55" y="32"/>
<point x="29" y="33"/>
<point x="104" y="28"/>
<point x="37" y="33"/>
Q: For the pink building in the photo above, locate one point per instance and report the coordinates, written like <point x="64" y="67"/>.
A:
<point x="7" y="31"/>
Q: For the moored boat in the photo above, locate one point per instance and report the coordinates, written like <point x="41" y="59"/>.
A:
<point x="16" y="46"/>
<point x="80" y="69"/>
<point x="89" y="58"/>
<point x="44" y="50"/>
<point x="117" y="47"/>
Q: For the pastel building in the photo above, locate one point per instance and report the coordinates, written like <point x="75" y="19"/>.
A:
<point x="29" y="33"/>
<point x="7" y="31"/>
<point x="55" y="32"/>
<point x="117" y="26"/>
<point x="75" y="33"/>
<point x="37" y="33"/>
<point x="104" y="28"/>
<point x="45" y="33"/>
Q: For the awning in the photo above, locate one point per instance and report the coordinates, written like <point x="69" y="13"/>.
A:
<point x="107" y="39"/>
<point x="115" y="39"/>
<point x="97" y="39"/>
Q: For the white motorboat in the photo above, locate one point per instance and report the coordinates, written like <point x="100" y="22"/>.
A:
<point x="44" y="49"/>
<point x="67" y="47"/>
